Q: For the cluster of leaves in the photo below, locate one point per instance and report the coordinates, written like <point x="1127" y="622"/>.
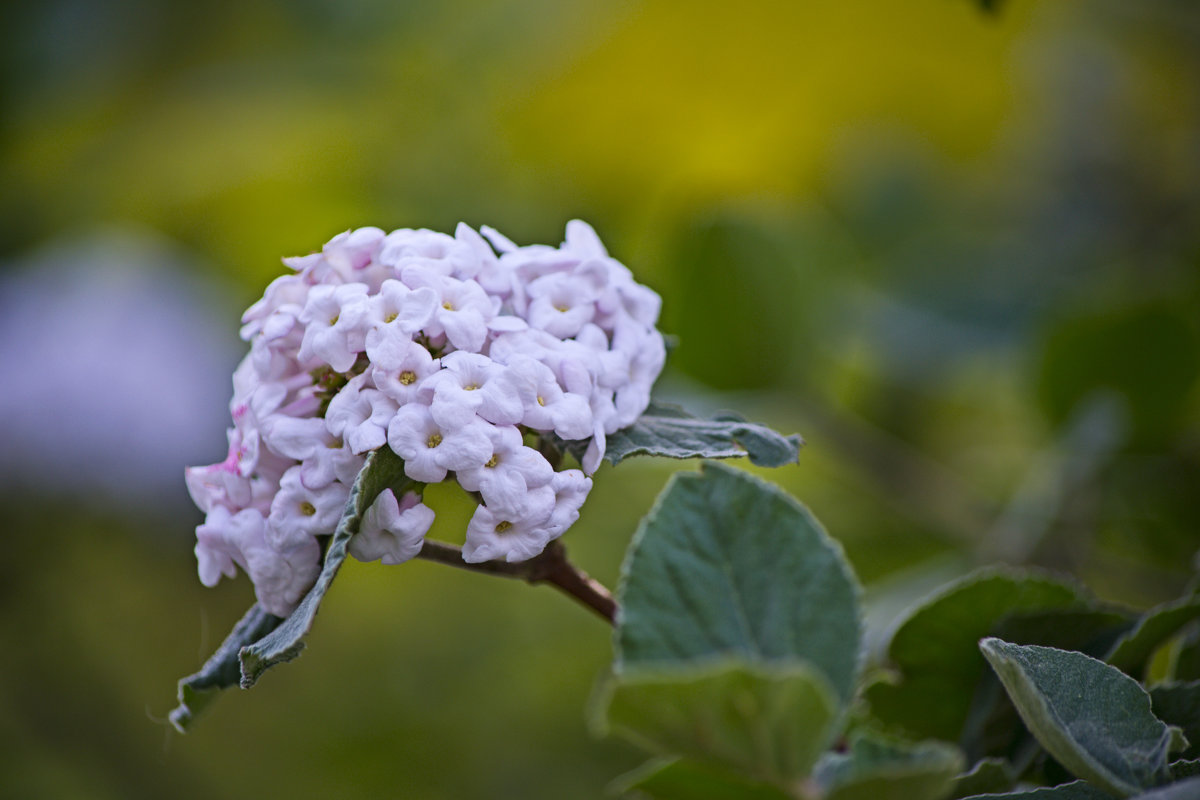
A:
<point x="738" y="662"/>
<point x="739" y="656"/>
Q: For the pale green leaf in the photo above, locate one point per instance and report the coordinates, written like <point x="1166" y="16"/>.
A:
<point x="876" y="768"/>
<point x="727" y="564"/>
<point x="769" y="723"/>
<point x="1092" y="718"/>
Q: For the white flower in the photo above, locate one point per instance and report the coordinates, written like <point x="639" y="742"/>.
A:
<point x="218" y="541"/>
<point x="446" y="255"/>
<point x="430" y="450"/>
<point x="399" y="369"/>
<point x="395" y="314"/>
<point x="506" y="477"/>
<point x="360" y="414"/>
<point x="392" y="531"/>
<point x="281" y="576"/>
<point x="323" y="457"/>
<point x="546" y="406"/>
<point x="514" y="535"/>
<point x="463" y="308"/>
<point x="561" y="304"/>
<point x="298" y="512"/>
<point x="471" y="384"/>
<point x="571" y="488"/>
<point x="335" y="329"/>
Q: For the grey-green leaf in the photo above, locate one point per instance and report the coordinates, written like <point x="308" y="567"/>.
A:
<point x="935" y="650"/>
<point x="383" y="469"/>
<point x="1179" y="704"/>
<point x="680" y="779"/>
<point x="1091" y="717"/>
<point x="768" y="722"/>
<point x="669" y="431"/>
<point x="1134" y="649"/>
<point x="727" y="564"/>
<point x="1077" y="790"/>
<point x="222" y="670"/>
<point x="876" y="768"/>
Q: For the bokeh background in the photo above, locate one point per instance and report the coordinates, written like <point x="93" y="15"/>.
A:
<point x="958" y="250"/>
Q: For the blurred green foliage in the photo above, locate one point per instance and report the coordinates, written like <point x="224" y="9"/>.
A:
<point x="926" y="237"/>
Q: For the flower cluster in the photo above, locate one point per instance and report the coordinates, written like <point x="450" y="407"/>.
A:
<point x="454" y="353"/>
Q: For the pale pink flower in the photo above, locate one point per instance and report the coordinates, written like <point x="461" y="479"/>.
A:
<point x="392" y="532"/>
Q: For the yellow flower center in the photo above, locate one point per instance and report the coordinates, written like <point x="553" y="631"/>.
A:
<point x="541" y="400"/>
<point x="391" y="317"/>
<point x="502" y="526"/>
<point x="493" y="461"/>
<point x="333" y="320"/>
<point x="307" y="509"/>
<point x="433" y="441"/>
<point x="408" y="377"/>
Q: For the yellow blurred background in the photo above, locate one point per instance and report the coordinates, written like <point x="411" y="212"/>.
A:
<point x="958" y="251"/>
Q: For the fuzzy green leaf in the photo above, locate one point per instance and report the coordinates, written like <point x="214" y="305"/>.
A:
<point x="876" y="768"/>
<point x="669" y="431"/>
<point x="383" y="469"/>
<point x="727" y="564"/>
<point x="222" y="670"/>
<point x="769" y="723"/>
<point x="935" y="650"/>
<point x="1092" y="718"/>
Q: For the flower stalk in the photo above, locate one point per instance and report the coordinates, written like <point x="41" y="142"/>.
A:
<point x="550" y="566"/>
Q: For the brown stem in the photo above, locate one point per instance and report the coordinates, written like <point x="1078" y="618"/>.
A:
<point x="551" y="567"/>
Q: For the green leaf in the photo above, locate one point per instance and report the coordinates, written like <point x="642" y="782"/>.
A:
<point x="222" y="670"/>
<point x="768" y="722"/>
<point x="1077" y="790"/>
<point x="876" y="768"/>
<point x="989" y="775"/>
<point x="669" y="431"/>
<point x="1093" y="719"/>
<point x="992" y="726"/>
<point x="1179" y="704"/>
<point x="1134" y="649"/>
<point x="383" y="469"/>
<point x="1182" y="790"/>
<point x="935" y="650"/>
<point x="727" y="564"/>
<point x="1185" y="768"/>
<point x="680" y="779"/>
